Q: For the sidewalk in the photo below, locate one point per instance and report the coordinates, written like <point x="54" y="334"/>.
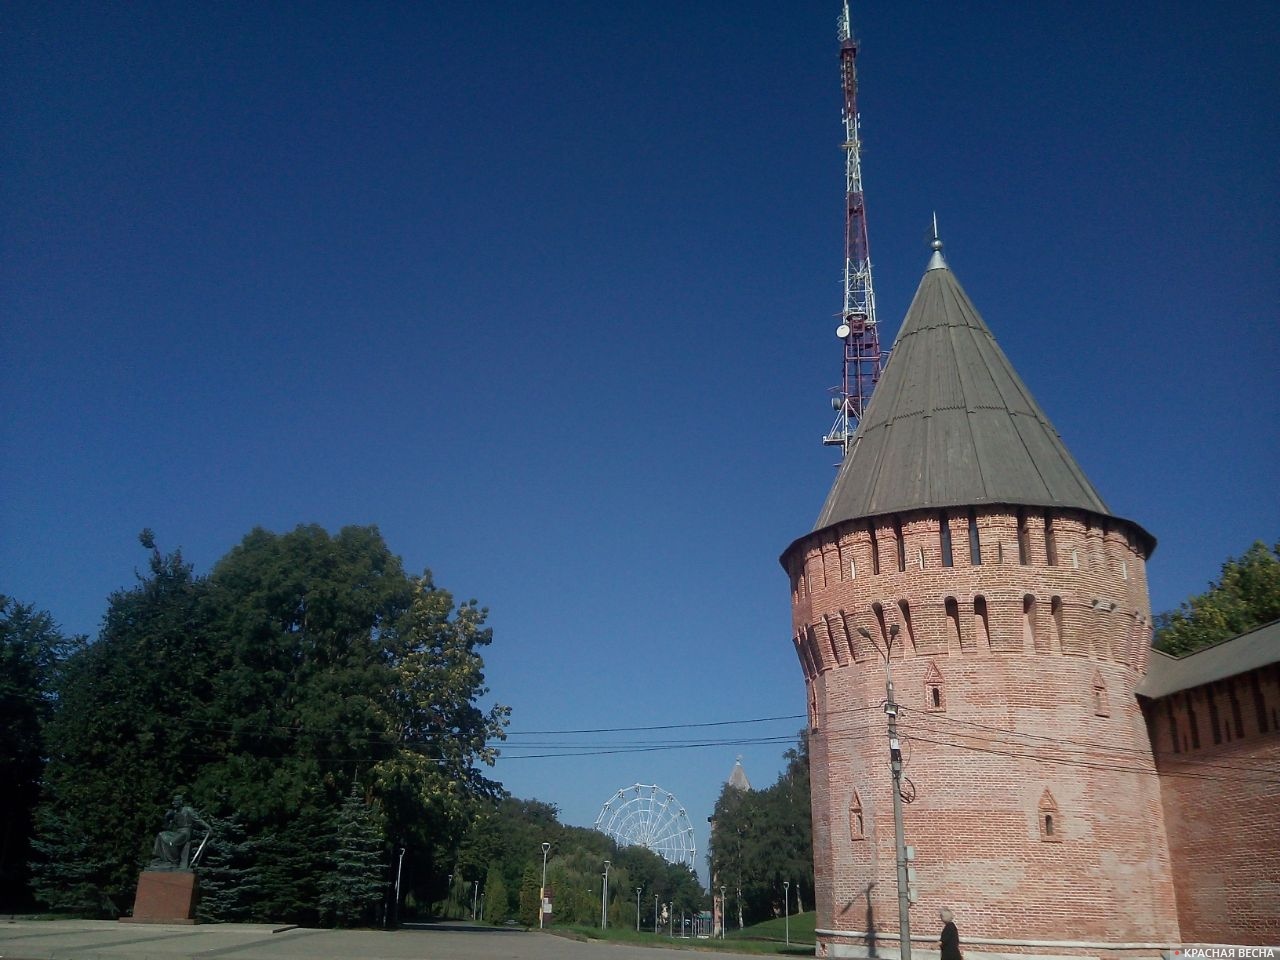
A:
<point x="104" y="940"/>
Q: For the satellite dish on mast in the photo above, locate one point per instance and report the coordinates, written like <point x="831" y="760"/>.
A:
<point x="842" y="331"/>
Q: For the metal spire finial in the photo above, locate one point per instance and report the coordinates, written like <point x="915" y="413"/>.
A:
<point x="936" y="262"/>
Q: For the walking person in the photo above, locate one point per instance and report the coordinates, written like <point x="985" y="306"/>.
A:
<point x="950" y="939"/>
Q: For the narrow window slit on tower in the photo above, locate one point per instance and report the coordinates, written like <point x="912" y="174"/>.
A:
<point x="1024" y="539"/>
<point x="975" y="544"/>
<point x="944" y="538"/>
<point x="901" y="545"/>
<point x="1055" y="614"/>
<point x="875" y="549"/>
<point x="1050" y="541"/>
<point x="1029" y="620"/>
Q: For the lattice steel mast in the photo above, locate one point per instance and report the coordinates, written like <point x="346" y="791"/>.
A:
<point x="857" y="329"/>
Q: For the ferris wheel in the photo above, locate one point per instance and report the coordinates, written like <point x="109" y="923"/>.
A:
<point x="646" y="815"/>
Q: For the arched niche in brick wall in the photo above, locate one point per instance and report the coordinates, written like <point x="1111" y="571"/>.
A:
<point x="1049" y="818"/>
<point x="1101" y="705"/>
<point x="857" y="822"/>
<point x="935" y="693"/>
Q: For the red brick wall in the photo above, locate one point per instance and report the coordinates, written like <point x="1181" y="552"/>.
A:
<point x="1038" y="716"/>
<point x="1222" y="805"/>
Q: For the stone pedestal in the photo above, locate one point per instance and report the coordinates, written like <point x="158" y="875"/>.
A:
<point x="164" y="896"/>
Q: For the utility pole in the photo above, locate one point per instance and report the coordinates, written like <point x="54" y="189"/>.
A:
<point x="895" y="765"/>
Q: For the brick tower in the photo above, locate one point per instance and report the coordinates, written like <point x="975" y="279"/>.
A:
<point x="961" y="529"/>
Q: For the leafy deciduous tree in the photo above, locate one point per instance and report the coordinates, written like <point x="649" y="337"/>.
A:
<point x="1247" y="595"/>
<point x="763" y="838"/>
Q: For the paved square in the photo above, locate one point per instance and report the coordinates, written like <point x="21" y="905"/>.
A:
<point x="104" y="940"/>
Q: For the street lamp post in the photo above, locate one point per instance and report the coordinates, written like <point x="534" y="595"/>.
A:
<point x="475" y="897"/>
<point x="604" y="898"/>
<point x="399" y="870"/>
<point x="724" y="911"/>
<point x="786" y="907"/>
<point x="542" y="893"/>
<point x="448" y="894"/>
<point x="895" y="765"/>
<point x="638" y="909"/>
<point x="655" y="914"/>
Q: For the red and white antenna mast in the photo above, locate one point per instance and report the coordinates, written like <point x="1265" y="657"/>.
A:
<point x="857" y="329"/>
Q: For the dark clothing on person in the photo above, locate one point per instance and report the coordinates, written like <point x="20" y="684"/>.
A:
<point x="951" y="942"/>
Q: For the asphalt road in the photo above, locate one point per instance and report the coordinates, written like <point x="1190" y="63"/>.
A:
<point x="104" y="940"/>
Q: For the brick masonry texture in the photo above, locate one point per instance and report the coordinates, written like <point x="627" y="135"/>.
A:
<point x="1037" y="813"/>
<point x="1223" y="819"/>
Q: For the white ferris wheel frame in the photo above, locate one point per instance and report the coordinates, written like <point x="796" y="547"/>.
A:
<point x="645" y="815"/>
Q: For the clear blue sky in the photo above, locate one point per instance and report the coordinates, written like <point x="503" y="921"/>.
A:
<point x="546" y="291"/>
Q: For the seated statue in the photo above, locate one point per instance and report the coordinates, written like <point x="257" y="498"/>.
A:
<point x="172" y="850"/>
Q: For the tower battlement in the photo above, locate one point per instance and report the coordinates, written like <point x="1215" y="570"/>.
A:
<point x="996" y="578"/>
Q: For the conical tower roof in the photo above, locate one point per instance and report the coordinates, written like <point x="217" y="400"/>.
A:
<point x="738" y="778"/>
<point x="951" y="424"/>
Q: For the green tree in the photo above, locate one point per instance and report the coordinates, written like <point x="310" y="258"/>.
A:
<point x="293" y="861"/>
<point x="32" y="649"/>
<point x="763" y="838"/>
<point x="508" y="835"/>
<point x="70" y="871"/>
<point x="429" y="779"/>
<point x="354" y="886"/>
<point x="1246" y="595"/>
<point x="229" y="882"/>
<point x="131" y="728"/>
<point x="497" y="903"/>
<point x="304" y="665"/>
<point x="530" y="887"/>
<point x="307" y="620"/>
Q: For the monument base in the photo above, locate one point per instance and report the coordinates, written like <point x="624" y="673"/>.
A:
<point x="164" y="896"/>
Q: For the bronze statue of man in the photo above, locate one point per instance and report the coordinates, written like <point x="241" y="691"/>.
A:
<point x="172" y="850"/>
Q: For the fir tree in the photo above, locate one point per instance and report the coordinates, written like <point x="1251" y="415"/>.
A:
<point x="351" y="891"/>
<point x="292" y="863"/>
<point x="229" y="884"/>
<point x="68" y="872"/>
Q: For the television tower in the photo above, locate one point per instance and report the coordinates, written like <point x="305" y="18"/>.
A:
<point x="857" y="329"/>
